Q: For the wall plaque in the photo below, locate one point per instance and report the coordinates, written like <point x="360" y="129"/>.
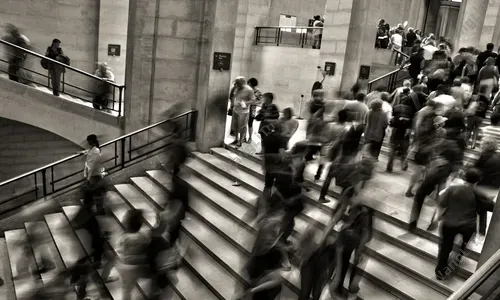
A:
<point x="364" y="72"/>
<point x="114" y="50"/>
<point x="330" y="68"/>
<point x="222" y="61"/>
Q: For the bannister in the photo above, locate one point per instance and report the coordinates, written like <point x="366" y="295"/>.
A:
<point x="393" y="79"/>
<point x="475" y="282"/>
<point x="284" y="35"/>
<point x="125" y="150"/>
<point x="71" y="84"/>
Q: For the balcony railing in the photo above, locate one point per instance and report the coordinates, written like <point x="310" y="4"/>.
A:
<point x="75" y="83"/>
<point x="67" y="173"/>
<point x="284" y="35"/>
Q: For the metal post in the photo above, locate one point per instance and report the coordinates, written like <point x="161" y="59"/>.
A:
<point x="120" y="102"/>
<point x="300" y="108"/>
<point x="257" y="36"/>
<point x="36" y="187"/>
<point x="63" y="81"/>
<point x="44" y="182"/>
<point x="276" y="39"/>
<point x="123" y="154"/>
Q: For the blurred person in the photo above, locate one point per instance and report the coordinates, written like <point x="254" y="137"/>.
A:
<point x="488" y="76"/>
<point x="483" y="56"/>
<point x="244" y="97"/>
<point x="357" y="108"/>
<point x="353" y="92"/>
<point x="290" y="194"/>
<point x="253" y="83"/>
<point x="355" y="233"/>
<point x="396" y="42"/>
<point x="457" y="92"/>
<point x="317" y="102"/>
<point x="16" y="57"/>
<point x="132" y="261"/>
<point x="441" y="165"/>
<point x="386" y="99"/>
<point x="438" y="70"/>
<point x="267" y="260"/>
<point x="444" y="100"/>
<point x="103" y="89"/>
<point x="55" y="52"/>
<point x="376" y="123"/>
<point x="411" y="37"/>
<point x="317" y="32"/>
<point x="401" y="123"/>
<point x="490" y="131"/>
<point x="458" y="207"/>
<point x="94" y="187"/>
<point x="423" y="142"/>
<point x="423" y="82"/>
<point x="429" y="49"/>
<point x="375" y="94"/>
<point x="406" y="85"/>
<point x="290" y="125"/>
<point x="268" y="111"/>
<point x="476" y="112"/>
<point x="416" y="46"/>
<point x="467" y="87"/>
<point x="232" y="94"/>
<point x="488" y="163"/>
<point x="417" y="63"/>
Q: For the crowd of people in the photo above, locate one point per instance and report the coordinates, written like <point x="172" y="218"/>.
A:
<point x="18" y="70"/>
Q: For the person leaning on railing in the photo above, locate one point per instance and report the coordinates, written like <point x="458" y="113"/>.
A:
<point x="93" y="173"/>
<point x="55" y="52"/>
<point x="103" y="88"/>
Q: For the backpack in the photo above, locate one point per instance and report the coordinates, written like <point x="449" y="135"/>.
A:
<point x="402" y="115"/>
<point x="358" y="222"/>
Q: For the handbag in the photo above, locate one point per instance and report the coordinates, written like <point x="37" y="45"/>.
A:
<point x="44" y="63"/>
<point x="230" y="112"/>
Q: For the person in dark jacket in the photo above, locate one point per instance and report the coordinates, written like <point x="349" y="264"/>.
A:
<point x="402" y="118"/>
<point x="376" y="123"/>
<point x="489" y="163"/>
<point x="16" y="56"/>
<point x="55" y="52"/>
<point x="269" y="111"/>
<point x="458" y="208"/>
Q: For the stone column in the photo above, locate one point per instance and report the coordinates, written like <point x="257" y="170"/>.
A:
<point x="432" y="11"/>
<point x="470" y="23"/>
<point x="489" y="33"/>
<point x="113" y="18"/>
<point x="334" y="43"/>
<point x="213" y="85"/>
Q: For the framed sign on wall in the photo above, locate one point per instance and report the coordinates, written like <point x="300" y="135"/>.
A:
<point x="364" y="72"/>
<point x="222" y="61"/>
<point x="114" y="50"/>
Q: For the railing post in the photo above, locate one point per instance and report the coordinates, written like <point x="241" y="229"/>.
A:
<point x="122" y="160"/>
<point x="63" y="77"/>
<point x="194" y="120"/>
<point x="257" y="30"/>
<point x="44" y="182"/>
<point x="120" y="101"/>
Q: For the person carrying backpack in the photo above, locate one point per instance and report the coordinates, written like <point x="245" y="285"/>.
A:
<point x="402" y="117"/>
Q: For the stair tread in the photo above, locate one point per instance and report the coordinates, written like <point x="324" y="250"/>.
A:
<point x="380" y="199"/>
<point x="160" y="177"/>
<point x="70" y="248"/>
<point x="138" y="201"/>
<point x="39" y="235"/>
<point x="214" y="215"/>
<point x="113" y="287"/>
<point x="152" y="190"/>
<point x="396" y="255"/>
<point x="25" y="285"/>
<point x="7" y="291"/>
<point x="190" y="287"/>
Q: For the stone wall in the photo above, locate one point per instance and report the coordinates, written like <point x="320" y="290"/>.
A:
<point x="74" y="22"/>
<point x="303" y="10"/>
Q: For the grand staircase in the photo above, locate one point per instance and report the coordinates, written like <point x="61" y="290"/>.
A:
<point x="400" y="264"/>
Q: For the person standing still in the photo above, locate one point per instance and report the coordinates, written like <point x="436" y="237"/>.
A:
<point x="253" y="83"/>
<point x="317" y="32"/>
<point x="244" y="97"/>
<point x="55" y="52"/>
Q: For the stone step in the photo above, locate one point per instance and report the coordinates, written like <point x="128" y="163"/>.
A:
<point x="71" y="250"/>
<point x="212" y="214"/>
<point x="44" y="249"/>
<point x="25" y="275"/>
<point x="114" y="288"/>
<point x="138" y="201"/>
<point x="378" y="194"/>
<point x="156" y="194"/>
<point x="423" y="266"/>
<point x="7" y="290"/>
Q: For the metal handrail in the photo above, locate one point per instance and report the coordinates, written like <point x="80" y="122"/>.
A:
<point x="297" y="27"/>
<point x="33" y="172"/>
<point x="59" y="63"/>
<point x="476" y="279"/>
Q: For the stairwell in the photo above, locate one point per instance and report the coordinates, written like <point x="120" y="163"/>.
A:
<point x="400" y="264"/>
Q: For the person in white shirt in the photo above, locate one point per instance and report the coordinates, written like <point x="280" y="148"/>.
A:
<point x="93" y="173"/>
<point x="386" y="106"/>
<point x="317" y="32"/>
<point x="443" y="100"/>
<point x="467" y="87"/>
<point x="398" y="91"/>
<point x="290" y="125"/>
<point x="397" y="40"/>
<point x="429" y="50"/>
